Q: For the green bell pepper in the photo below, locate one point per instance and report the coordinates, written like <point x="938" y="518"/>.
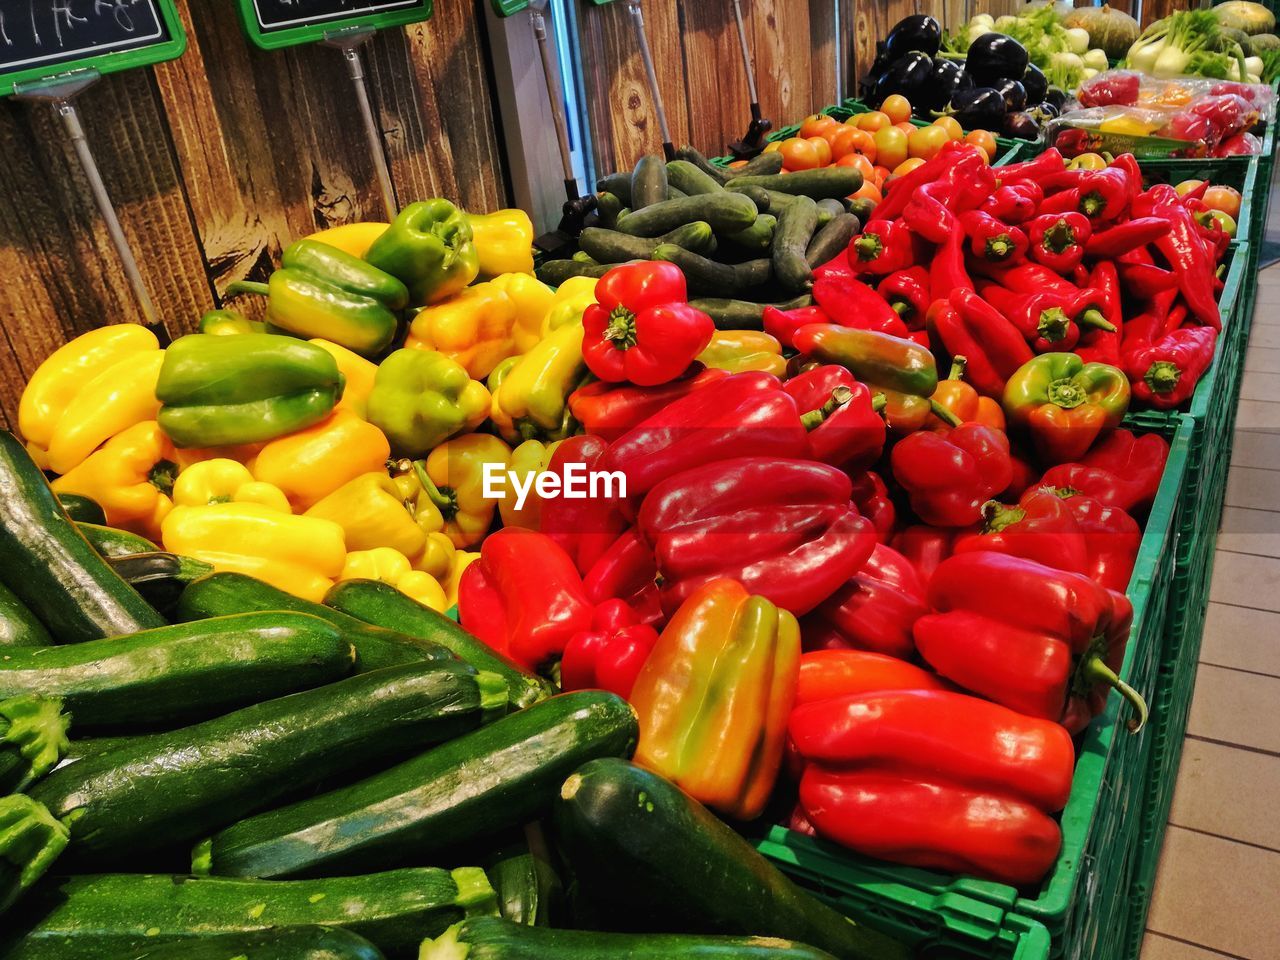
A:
<point x="1065" y="404"/>
<point x="224" y="322"/>
<point x="421" y="398"/>
<point x="430" y="247"/>
<point x="217" y="390"/>
<point x="326" y="293"/>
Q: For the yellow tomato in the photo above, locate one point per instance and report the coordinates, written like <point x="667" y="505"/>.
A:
<point x="1225" y="199"/>
<point x="891" y="147"/>
<point x="897" y="108"/>
<point x="1186" y="186"/>
<point x="1087" y="161"/>
<point x="926" y="142"/>
<point x="874" y="121"/>
<point x="984" y="140"/>
<point x="951" y="125"/>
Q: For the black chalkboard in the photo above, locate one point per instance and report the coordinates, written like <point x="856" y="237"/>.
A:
<point x="279" y="23"/>
<point x="45" y="38"/>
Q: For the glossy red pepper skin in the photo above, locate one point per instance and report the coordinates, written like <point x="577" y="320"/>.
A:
<point x="907" y="293"/>
<point x="1105" y="194"/>
<point x="626" y="572"/>
<point x="1013" y="204"/>
<point x="1041" y="168"/>
<point x="1027" y="278"/>
<point x="992" y="239"/>
<point x="901" y="188"/>
<point x="1098" y="345"/>
<point x="883" y="247"/>
<point x="745" y="414"/>
<point x="925" y="547"/>
<point x="1058" y="240"/>
<point x="850" y="436"/>
<point x="1122" y="471"/>
<point x="992" y="345"/>
<point x="584" y="527"/>
<point x="785" y="529"/>
<point x="782" y="324"/>
<point x="1148" y="325"/>
<point x="611" y="654"/>
<point x="1192" y="263"/>
<point x="871" y="497"/>
<point x="948" y="477"/>
<point x="1040" y="527"/>
<point x="829" y="674"/>
<point x="1043" y="319"/>
<point x="608" y="410"/>
<point x="523" y="597"/>
<point x="1118" y="240"/>
<point x="933" y="209"/>
<point x="851" y="303"/>
<point x="947" y="271"/>
<point x="1112" y="539"/>
<point x="1044" y="642"/>
<point x="1165" y="373"/>
<point x="875" y="610"/>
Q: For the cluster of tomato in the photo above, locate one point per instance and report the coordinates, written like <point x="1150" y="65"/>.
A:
<point x="880" y="143"/>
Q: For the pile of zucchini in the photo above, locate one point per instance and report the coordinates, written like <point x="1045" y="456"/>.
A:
<point x="744" y="237"/>
<point x="226" y="771"/>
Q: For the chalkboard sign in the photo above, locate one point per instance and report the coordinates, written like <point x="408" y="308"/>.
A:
<point x="283" y="23"/>
<point x="40" y="39"/>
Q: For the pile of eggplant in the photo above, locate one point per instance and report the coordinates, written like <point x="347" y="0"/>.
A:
<point x="993" y="87"/>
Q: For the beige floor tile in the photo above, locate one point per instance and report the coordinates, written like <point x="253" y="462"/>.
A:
<point x="1253" y="488"/>
<point x="1253" y="448"/>
<point x="1257" y="385"/>
<point x="1229" y="792"/>
<point x="1251" y="531"/>
<point x="1265" y="332"/>
<point x="1231" y="706"/>
<point x="1262" y="360"/>
<point x="1243" y="638"/>
<point x="1217" y="893"/>
<point x="1258" y="415"/>
<point x="1157" y="947"/>
<point x="1246" y="581"/>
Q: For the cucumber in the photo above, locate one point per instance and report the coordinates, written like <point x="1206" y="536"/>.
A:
<point x="796" y="224"/>
<point x="712" y="278"/>
<point x="639" y="844"/>
<point x="692" y="179"/>
<point x="832" y="240"/>
<point x="862" y="208"/>
<point x="556" y="272"/>
<point x="302" y="943"/>
<point x="497" y="777"/>
<point x="583" y="257"/>
<point x="33" y="738"/>
<point x="82" y="509"/>
<point x="103" y="917"/>
<point x="648" y="182"/>
<point x="829" y="208"/>
<point x="726" y="212"/>
<point x="608" y="206"/>
<point x="618" y="184"/>
<point x="221" y="594"/>
<point x="51" y="567"/>
<point x="834" y="182"/>
<point x="30" y="841"/>
<point x="762" y="164"/>
<point x="766" y="201"/>
<point x="181" y="673"/>
<point x="493" y="938"/>
<point x="700" y="161"/>
<point x="758" y="237"/>
<point x="383" y="605"/>
<point x="18" y="625"/>
<point x="744" y="314"/>
<point x="176" y="787"/>
<point x="613" y="246"/>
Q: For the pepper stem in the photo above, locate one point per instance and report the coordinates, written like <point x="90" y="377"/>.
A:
<point x="901" y="307"/>
<point x="1058" y="238"/>
<point x="944" y="414"/>
<point x="1095" y="670"/>
<point x="868" y="247"/>
<point x="1093" y="318"/>
<point x="163" y="475"/>
<point x="1162" y="376"/>
<point x="237" y="287"/>
<point x="1053" y="325"/>
<point x="816" y="418"/>
<point x="879" y="402"/>
<point x="1066" y="393"/>
<point x="1092" y="204"/>
<point x="446" y="503"/>
<point x="996" y="516"/>
<point x="999" y="247"/>
<point x="622" y="328"/>
<point x="958" y="363"/>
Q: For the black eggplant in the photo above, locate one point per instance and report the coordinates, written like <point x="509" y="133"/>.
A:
<point x="994" y="57"/>
<point x="1014" y="93"/>
<point x="1035" y="82"/>
<point x="1021" y="125"/>
<point x="908" y="76"/>
<point x="946" y="78"/>
<point x="1057" y="97"/>
<point x="1043" y="111"/>
<point x="915" y="33"/>
<point x="981" y="108"/>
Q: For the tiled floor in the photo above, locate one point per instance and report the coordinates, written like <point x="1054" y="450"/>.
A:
<point x="1218" y="891"/>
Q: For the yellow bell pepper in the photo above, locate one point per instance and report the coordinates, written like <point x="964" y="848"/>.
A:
<point x="532" y="299"/>
<point x="131" y="476"/>
<point x="117" y="398"/>
<point x="461" y="560"/>
<point x="66" y="371"/>
<point x="530" y="396"/>
<point x="1129" y="125"/>
<point x="437" y="556"/>
<point x="354" y="238"/>
<point x="572" y="299"/>
<point x="393" y="568"/>
<point x="359" y="373"/>
<point x="453" y="477"/>
<point x="187" y="457"/>
<point x="528" y="459"/>
<point x="225" y="481"/>
<point x="374" y="512"/>
<point x="473" y="328"/>
<point x="312" y="463"/>
<point x="302" y="555"/>
<point x="504" y="241"/>
<point x="741" y="350"/>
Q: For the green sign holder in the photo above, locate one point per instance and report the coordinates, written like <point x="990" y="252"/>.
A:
<point x="507" y="8"/>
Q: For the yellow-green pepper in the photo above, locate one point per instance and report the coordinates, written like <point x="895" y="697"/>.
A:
<point x="421" y="398"/>
<point x="430" y="247"/>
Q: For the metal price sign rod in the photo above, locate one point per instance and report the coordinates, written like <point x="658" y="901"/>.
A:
<point x="642" y="41"/>
<point x="754" y="140"/>
<point x="345" y="25"/>
<point x="56" y="49"/>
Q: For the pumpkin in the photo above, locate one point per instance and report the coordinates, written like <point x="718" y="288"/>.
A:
<point x="1114" y="31"/>
<point x="1243" y="15"/>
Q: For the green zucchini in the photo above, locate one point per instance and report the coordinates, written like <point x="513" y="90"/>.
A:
<point x="302" y="943"/>
<point x="82" y="509"/>
<point x="710" y="278"/>
<point x="613" y="246"/>
<point x="796" y="225"/>
<point x="51" y="567"/>
<point x="173" y="788"/>
<point x="641" y="846"/>
<point x="556" y="272"/>
<point x="33" y="738"/>
<point x="30" y="841"/>
<point x="700" y="161"/>
<point x="648" y="182"/>
<point x="762" y="164"/>
<point x="832" y="240"/>
<point x="221" y="594"/>
<point x="18" y="625"/>
<point x="608" y="207"/>
<point x="692" y="179"/>
<point x="140" y="569"/>
<point x="726" y="212"/>
<point x="384" y="606"/>
<point x="618" y="184"/>
<point x="499" y="776"/>
<point x="493" y="938"/>
<point x="181" y="673"/>
<point x="744" y="314"/>
<point x="757" y="238"/>
<point x="524" y="880"/>
<point x="103" y="917"/>
<point x="834" y="182"/>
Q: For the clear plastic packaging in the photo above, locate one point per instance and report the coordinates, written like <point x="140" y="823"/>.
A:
<point x="1132" y="89"/>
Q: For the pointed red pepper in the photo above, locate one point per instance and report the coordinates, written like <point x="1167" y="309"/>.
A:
<point x="584" y="527"/>
<point x="611" y="654"/>
<point x="1098" y="344"/>
<point x="626" y="572"/>
<point x="947" y="271"/>
<point x="1105" y="194"/>
<point x="1166" y="372"/>
<point x="1058" y="239"/>
<point x="851" y="303"/>
<point x="992" y="239"/>
<point x="970" y="327"/>
<point x="827" y="674"/>
<point x="883" y="247"/>
<point x="933" y="209"/>
<point x="782" y="324"/>
<point x="845" y="429"/>
<point x="907" y="293"/>
<point x="1122" y="471"/>
<point x="1014" y="203"/>
<point x="948" y="477"/>
<point x="1118" y="240"/>
<point x="1042" y="167"/>
<point x="874" y="610"/>
<point x="609" y="410"/>
<point x="1049" y="320"/>
<point x="1026" y="278"/>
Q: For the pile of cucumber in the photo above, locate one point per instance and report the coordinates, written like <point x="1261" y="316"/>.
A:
<point x="226" y="771"/>
<point x="744" y="237"/>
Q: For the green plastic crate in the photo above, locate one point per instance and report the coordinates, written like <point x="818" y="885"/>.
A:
<point x="1022" y="149"/>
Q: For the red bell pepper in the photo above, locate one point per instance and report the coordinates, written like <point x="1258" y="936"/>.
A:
<point x="874" y="610"/>
<point x="626" y="571"/>
<point x="871" y="497"/>
<point x="851" y="303"/>
<point x="907" y="293"/>
<point x="884" y="246"/>
<point x="968" y="326"/>
<point x="948" y="477"/>
<point x="782" y="324"/>
<point x="844" y="428"/>
<point x="584" y="527"/>
<point x="1105" y="194"/>
<point x="523" y="597"/>
<point x="993" y="239"/>
<point x="1165" y="373"/>
<point x="1115" y="86"/>
<point x="829" y="674"/>
<point x="611" y="654"/>
<point x="609" y="410"/>
<point x="947" y="270"/>
<point x="935" y="779"/>
<point x="1041" y="641"/>
<point x="784" y="529"/>
<point x="925" y="547"/>
<point x="1058" y="240"/>
<point x="1098" y="344"/>
<point x="1049" y="320"/>
<point x="642" y="329"/>
<point x="1040" y="527"/>
<point x="1112" y="538"/>
<point x="1123" y="471"/>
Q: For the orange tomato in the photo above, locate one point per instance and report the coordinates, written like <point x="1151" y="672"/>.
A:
<point x="859" y="163"/>
<point x="951" y="125"/>
<point x="1226" y="199"/>
<point x="844" y="141"/>
<point x="815" y="125"/>
<point x="891" y="147"/>
<point x="822" y="148"/>
<point x="799" y="154"/>
<point x="864" y="142"/>
<point x="983" y="140"/>
<point x="873" y="121"/>
<point x="906" y="127"/>
<point x="926" y="142"/>
<point x="897" y="108"/>
<point x="868" y="191"/>
<point x="906" y="166"/>
<point x="881" y="174"/>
